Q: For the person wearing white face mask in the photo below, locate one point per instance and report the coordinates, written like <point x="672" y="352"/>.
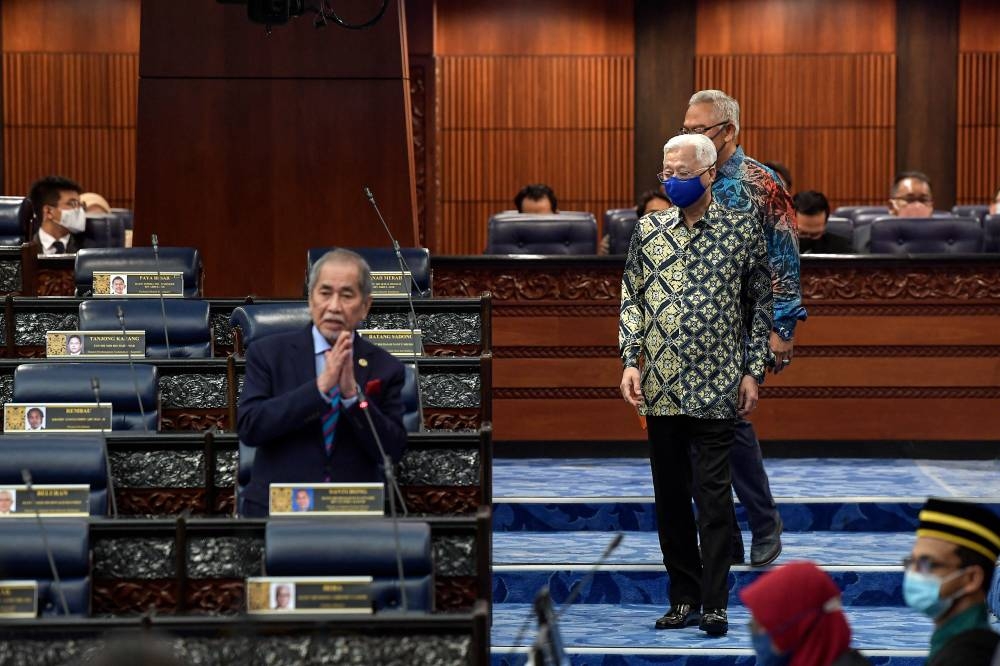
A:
<point x="947" y="576"/>
<point x="56" y="202"/>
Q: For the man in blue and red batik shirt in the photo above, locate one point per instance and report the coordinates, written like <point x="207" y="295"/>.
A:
<point x="746" y="185"/>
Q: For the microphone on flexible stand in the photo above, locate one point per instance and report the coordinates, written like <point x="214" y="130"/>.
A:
<point x="95" y="386"/>
<point x="159" y="287"/>
<point x="403" y="268"/>
<point x="26" y="477"/>
<point x="131" y="365"/>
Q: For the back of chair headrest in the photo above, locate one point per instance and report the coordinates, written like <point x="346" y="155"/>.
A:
<point x="931" y="235"/>
<point x="57" y="459"/>
<point x="346" y="547"/>
<point x="570" y="232"/>
<point x="23" y="555"/>
<point x="187" y="322"/>
<point x="991" y="233"/>
<point x="185" y="260"/>
<point x="976" y="212"/>
<point x="10" y="221"/>
<point x="840" y="226"/>
<point x="257" y="321"/>
<point x="103" y="230"/>
<point x="619" y="223"/>
<point x="384" y="259"/>
<point x="852" y="212"/>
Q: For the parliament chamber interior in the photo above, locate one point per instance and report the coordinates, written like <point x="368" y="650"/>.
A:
<point x="471" y="190"/>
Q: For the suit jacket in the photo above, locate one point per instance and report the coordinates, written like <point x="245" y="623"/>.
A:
<point x="825" y="244"/>
<point x="281" y="410"/>
<point x="71" y="241"/>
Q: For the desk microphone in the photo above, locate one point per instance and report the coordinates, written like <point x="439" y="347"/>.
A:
<point x="131" y="365"/>
<point x="390" y="480"/>
<point x="95" y="386"/>
<point x="403" y="268"/>
<point x="26" y="477"/>
<point x="159" y="287"/>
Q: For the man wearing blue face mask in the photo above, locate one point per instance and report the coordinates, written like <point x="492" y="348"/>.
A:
<point x="948" y="575"/>
<point x="57" y="210"/>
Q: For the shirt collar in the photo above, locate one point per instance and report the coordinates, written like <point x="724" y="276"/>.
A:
<point x="974" y="617"/>
<point x="731" y="167"/>
<point x="47" y="239"/>
<point x="710" y="218"/>
<point x="320" y="344"/>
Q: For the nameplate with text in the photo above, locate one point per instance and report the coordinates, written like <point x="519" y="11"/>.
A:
<point x="18" y="598"/>
<point x="135" y="284"/>
<point x="313" y="594"/>
<point x="95" y="344"/>
<point x="327" y="499"/>
<point x="56" y="417"/>
<point x="400" y="342"/>
<point x="391" y="283"/>
<point x="48" y="501"/>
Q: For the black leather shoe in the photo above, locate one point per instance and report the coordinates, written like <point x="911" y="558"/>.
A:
<point x="715" y="622"/>
<point x="679" y="616"/>
<point x="767" y="549"/>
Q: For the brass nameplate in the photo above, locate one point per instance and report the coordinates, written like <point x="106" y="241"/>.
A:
<point x="135" y="284"/>
<point x="18" y="598"/>
<point x="400" y="342"/>
<point x="341" y="594"/>
<point x="57" y="417"/>
<point x="95" y="344"/>
<point x="45" y="500"/>
<point x="391" y="283"/>
<point x="327" y="499"/>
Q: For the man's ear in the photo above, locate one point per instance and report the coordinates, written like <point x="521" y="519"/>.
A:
<point x="975" y="581"/>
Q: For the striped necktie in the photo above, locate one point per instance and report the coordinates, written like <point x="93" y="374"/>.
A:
<point x="330" y="417"/>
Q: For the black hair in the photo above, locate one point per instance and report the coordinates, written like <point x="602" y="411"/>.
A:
<point x="646" y="197"/>
<point x="811" y="202"/>
<point x="783" y="171"/>
<point x="903" y="175"/>
<point x="535" y="192"/>
<point x="45" y="192"/>
<point x="970" y="558"/>
<point x="35" y="409"/>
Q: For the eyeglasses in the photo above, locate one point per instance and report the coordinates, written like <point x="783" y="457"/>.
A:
<point x="923" y="564"/>
<point x="702" y="130"/>
<point x="920" y="198"/>
<point x="683" y="175"/>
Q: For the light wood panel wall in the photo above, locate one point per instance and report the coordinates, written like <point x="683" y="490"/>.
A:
<point x="829" y="118"/>
<point x="507" y="121"/>
<point x="978" y="150"/>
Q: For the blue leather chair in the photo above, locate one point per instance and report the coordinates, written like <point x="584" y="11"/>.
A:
<point x="103" y="230"/>
<point x="186" y="260"/>
<point x="187" y="324"/>
<point x="570" y="233"/>
<point x="11" y="229"/>
<point x="23" y="557"/>
<point x="852" y="212"/>
<point x="71" y="382"/>
<point x="840" y="226"/>
<point x="977" y="212"/>
<point x="355" y="547"/>
<point x="619" y="223"/>
<point x="258" y="320"/>
<point x="991" y="233"/>
<point x="894" y="235"/>
<point x="384" y="259"/>
<point x="59" y="459"/>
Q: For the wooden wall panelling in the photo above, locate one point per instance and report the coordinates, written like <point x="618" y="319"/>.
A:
<point x="978" y="149"/>
<point x="978" y="25"/>
<point x="71" y="26"/>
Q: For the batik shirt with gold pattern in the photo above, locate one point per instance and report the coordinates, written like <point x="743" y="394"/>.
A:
<point x="697" y="307"/>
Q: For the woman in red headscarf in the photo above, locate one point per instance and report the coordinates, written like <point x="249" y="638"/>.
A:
<point x="797" y="619"/>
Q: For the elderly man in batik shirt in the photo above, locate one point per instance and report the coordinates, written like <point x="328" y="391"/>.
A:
<point x="696" y="313"/>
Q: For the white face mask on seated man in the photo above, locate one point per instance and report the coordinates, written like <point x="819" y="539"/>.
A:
<point x="73" y="220"/>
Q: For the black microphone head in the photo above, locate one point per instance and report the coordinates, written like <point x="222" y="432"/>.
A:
<point x="368" y="193"/>
<point x="26" y="477"/>
<point x="617" y="541"/>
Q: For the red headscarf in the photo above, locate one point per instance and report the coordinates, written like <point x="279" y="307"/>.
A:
<point x="798" y="605"/>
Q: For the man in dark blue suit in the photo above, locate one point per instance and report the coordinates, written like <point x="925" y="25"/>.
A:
<point x="300" y="404"/>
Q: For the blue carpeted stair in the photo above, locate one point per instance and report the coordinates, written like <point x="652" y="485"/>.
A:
<point x="854" y="517"/>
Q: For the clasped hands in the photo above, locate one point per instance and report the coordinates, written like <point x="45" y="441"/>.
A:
<point x="339" y="368"/>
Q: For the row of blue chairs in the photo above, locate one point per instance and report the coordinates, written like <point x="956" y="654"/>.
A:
<point x="102" y="230"/>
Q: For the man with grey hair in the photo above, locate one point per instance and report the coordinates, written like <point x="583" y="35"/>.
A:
<point x="696" y="312"/>
<point x="300" y="402"/>
<point x="746" y="185"/>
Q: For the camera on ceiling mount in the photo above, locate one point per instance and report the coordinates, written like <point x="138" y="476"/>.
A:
<point x="279" y="12"/>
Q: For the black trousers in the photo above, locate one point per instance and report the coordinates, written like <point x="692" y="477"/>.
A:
<point x="751" y="485"/>
<point x="697" y="579"/>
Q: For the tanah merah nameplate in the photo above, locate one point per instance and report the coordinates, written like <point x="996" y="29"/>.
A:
<point x="327" y="499"/>
<point x="136" y="284"/>
<point x="56" y="417"/>
<point x="400" y="342"/>
<point x="312" y="594"/>
<point x="95" y="344"/>
<point x="63" y="500"/>
<point x="391" y="283"/>
<point x="18" y="598"/>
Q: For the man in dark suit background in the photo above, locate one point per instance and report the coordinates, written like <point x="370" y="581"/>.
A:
<point x="57" y="211"/>
<point x="300" y="404"/>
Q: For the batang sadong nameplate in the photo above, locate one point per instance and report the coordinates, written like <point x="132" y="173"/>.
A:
<point x="47" y="501"/>
<point x="18" y="598"/>
<point x="400" y="342"/>
<point x="391" y="283"/>
<point x="138" y="284"/>
<point x="56" y="417"/>
<point x="95" y="344"/>
<point x="311" y="594"/>
<point x="327" y="499"/>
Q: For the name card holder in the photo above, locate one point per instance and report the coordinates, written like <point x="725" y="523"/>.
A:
<point x="47" y="501"/>
<point x="138" y="284"/>
<point x="57" y="417"/>
<point x="18" y="599"/>
<point x="391" y="283"/>
<point x="327" y="499"/>
<point x="339" y="595"/>
<point x="400" y="342"/>
<point x="89" y="345"/>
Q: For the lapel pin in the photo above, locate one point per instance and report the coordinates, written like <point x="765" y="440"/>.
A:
<point x="363" y="363"/>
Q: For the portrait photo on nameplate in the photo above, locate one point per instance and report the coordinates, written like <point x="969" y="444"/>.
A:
<point x="400" y="342"/>
<point x="391" y="283"/>
<point x="18" y="599"/>
<point x="284" y="595"/>
<point x="93" y="345"/>
<point x="56" y="417"/>
<point x="138" y="284"/>
<point x="327" y="499"/>
<point x="46" y="500"/>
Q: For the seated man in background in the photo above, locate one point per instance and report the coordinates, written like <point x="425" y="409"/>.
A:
<point x="94" y="203"/>
<point x="650" y="201"/>
<point x="59" y="214"/>
<point x="538" y="199"/>
<point x="300" y="403"/>
<point x="811" y="212"/>
<point x="911" y="195"/>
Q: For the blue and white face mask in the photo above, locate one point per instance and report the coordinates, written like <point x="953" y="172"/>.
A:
<point x="922" y="592"/>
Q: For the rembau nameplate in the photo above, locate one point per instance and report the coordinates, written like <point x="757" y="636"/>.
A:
<point x="341" y="594"/>
<point x="327" y="499"/>
<point x="56" y="417"/>
<point x="135" y="284"/>
<point x="95" y="344"/>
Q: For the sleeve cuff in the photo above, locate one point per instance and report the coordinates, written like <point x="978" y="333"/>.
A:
<point x="347" y="403"/>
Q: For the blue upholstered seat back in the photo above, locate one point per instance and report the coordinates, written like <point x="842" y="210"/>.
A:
<point x="11" y="231"/>
<point x="23" y="557"/>
<point x="991" y="233"/>
<point x="380" y="259"/>
<point x="932" y="235"/>
<point x="186" y="260"/>
<point x="619" y="223"/>
<point x="570" y="232"/>
<point x="187" y="323"/>
<point x="58" y="459"/>
<point x="257" y="321"/>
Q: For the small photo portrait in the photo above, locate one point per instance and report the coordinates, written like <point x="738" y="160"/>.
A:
<point x="283" y="596"/>
<point x="118" y="285"/>
<point x="35" y="418"/>
<point x="302" y="499"/>
<point x="74" y="345"/>
<point x="8" y="501"/>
